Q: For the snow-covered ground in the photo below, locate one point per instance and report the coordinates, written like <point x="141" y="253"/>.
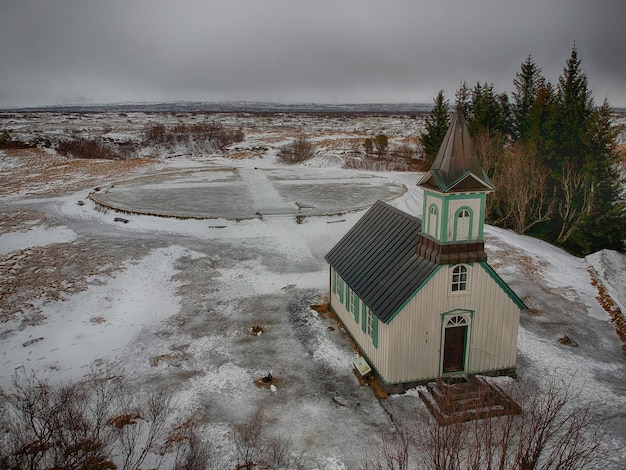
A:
<point x="172" y="302"/>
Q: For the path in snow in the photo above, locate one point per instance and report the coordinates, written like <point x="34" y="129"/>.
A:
<point x="264" y="195"/>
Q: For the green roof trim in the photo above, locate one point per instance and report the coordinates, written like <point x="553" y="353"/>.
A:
<point x="426" y="281"/>
<point x="512" y="295"/>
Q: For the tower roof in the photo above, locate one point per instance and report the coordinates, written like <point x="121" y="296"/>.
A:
<point x="456" y="167"/>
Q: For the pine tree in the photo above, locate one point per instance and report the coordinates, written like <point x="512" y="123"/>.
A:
<point x="462" y="99"/>
<point x="489" y="112"/>
<point x="603" y="222"/>
<point x="552" y="153"/>
<point x="574" y="107"/>
<point x="437" y="123"/>
<point x="541" y="122"/>
<point x="528" y="83"/>
<point x="574" y="187"/>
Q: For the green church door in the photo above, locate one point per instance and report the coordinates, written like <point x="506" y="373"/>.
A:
<point x="454" y="348"/>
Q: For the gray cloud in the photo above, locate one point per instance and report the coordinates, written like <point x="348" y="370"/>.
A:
<point x="288" y="50"/>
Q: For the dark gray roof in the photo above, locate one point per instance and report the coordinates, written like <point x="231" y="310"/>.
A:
<point x="457" y="167"/>
<point x="378" y="259"/>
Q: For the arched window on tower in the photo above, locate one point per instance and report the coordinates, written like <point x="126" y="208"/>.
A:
<point x="463" y="224"/>
<point x="433" y="228"/>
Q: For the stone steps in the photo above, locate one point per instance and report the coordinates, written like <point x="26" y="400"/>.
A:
<point x="464" y="398"/>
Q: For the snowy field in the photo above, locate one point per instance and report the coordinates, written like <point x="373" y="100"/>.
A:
<point x="173" y="301"/>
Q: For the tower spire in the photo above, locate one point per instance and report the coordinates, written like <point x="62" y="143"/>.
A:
<point x="455" y="192"/>
<point x="457" y="167"/>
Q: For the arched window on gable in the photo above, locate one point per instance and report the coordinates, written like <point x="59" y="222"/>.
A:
<point x="433" y="226"/>
<point x="457" y="320"/>
<point x="459" y="278"/>
<point x="463" y="224"/>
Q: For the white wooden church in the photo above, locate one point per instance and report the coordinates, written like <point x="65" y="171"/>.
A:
<point x="418" y="296"/>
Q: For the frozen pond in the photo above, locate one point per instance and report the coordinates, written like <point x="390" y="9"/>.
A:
<point x="248" y="193"/>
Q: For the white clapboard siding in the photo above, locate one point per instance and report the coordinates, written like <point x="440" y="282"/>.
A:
<point x="410" y="345"/>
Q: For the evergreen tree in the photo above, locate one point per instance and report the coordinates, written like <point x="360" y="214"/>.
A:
<point x="570" y="163"/>
<point x="552" y="154"/>
<point x="528" y="83"/>
<point x="574" y="106"/>
<point x="462" y="99"/>
<point x="489" y="112"/>
<point x="541" y="121"/>
<point x="381" y="142"/>
<point x="437" y="123"/>
<point x="603" y="222"/>
<point x="369" y="146"/>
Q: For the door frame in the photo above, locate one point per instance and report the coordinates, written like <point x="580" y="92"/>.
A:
<point x="467" y="316"/>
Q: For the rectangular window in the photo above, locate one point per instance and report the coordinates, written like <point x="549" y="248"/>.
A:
<point x="370" y="326"/>
<point x="339" y="287"/>
<point x="369" y="322"/>
<point x="354" y="305"/>
<point x="459" y="278"/>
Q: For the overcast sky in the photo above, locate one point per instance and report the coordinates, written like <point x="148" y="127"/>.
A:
<point x="325" y="51"/>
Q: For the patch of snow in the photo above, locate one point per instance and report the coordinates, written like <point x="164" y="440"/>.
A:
<point x="7" y="163"/>
<point x="96" y="324"/>
<point x="35" y="236"/>
<point x="549" y="359"/>
<point x="611" y="268"/>
<point x="557" y="268"/>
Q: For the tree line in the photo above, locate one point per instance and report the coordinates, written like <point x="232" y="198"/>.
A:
<point x="551" y="153"/>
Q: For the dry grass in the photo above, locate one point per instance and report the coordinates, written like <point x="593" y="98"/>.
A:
<point x="174" y="359"/>
<point x="607" y="303"/>
<point x="37" y="275"/>
<point x="21" y="220"/>
<point x="534" y="268"/>
<point x="244" y="154"/>
<point x="36" y="172"/>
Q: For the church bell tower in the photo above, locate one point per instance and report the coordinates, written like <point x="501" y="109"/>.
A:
<point x="455" y="194"/>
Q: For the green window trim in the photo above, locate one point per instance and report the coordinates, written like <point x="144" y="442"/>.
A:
<point x="375" y="331"/>
<point x="355" y="309"/>
<point x="457" y="214"/>
<point x="463" y="312"/>
<point x="468" y="317"/>
<point x="433" y="219"/>
<point x="369" y="325"/>
<point x="459" y="281"/>
<point x="442" y="223"/>
<point x="481" y="217"/>
<point x="445" y="199"/>
<point x="363" y="317"/>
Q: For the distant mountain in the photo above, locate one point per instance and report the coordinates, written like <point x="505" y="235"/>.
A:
<point x="234" y="107"/>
